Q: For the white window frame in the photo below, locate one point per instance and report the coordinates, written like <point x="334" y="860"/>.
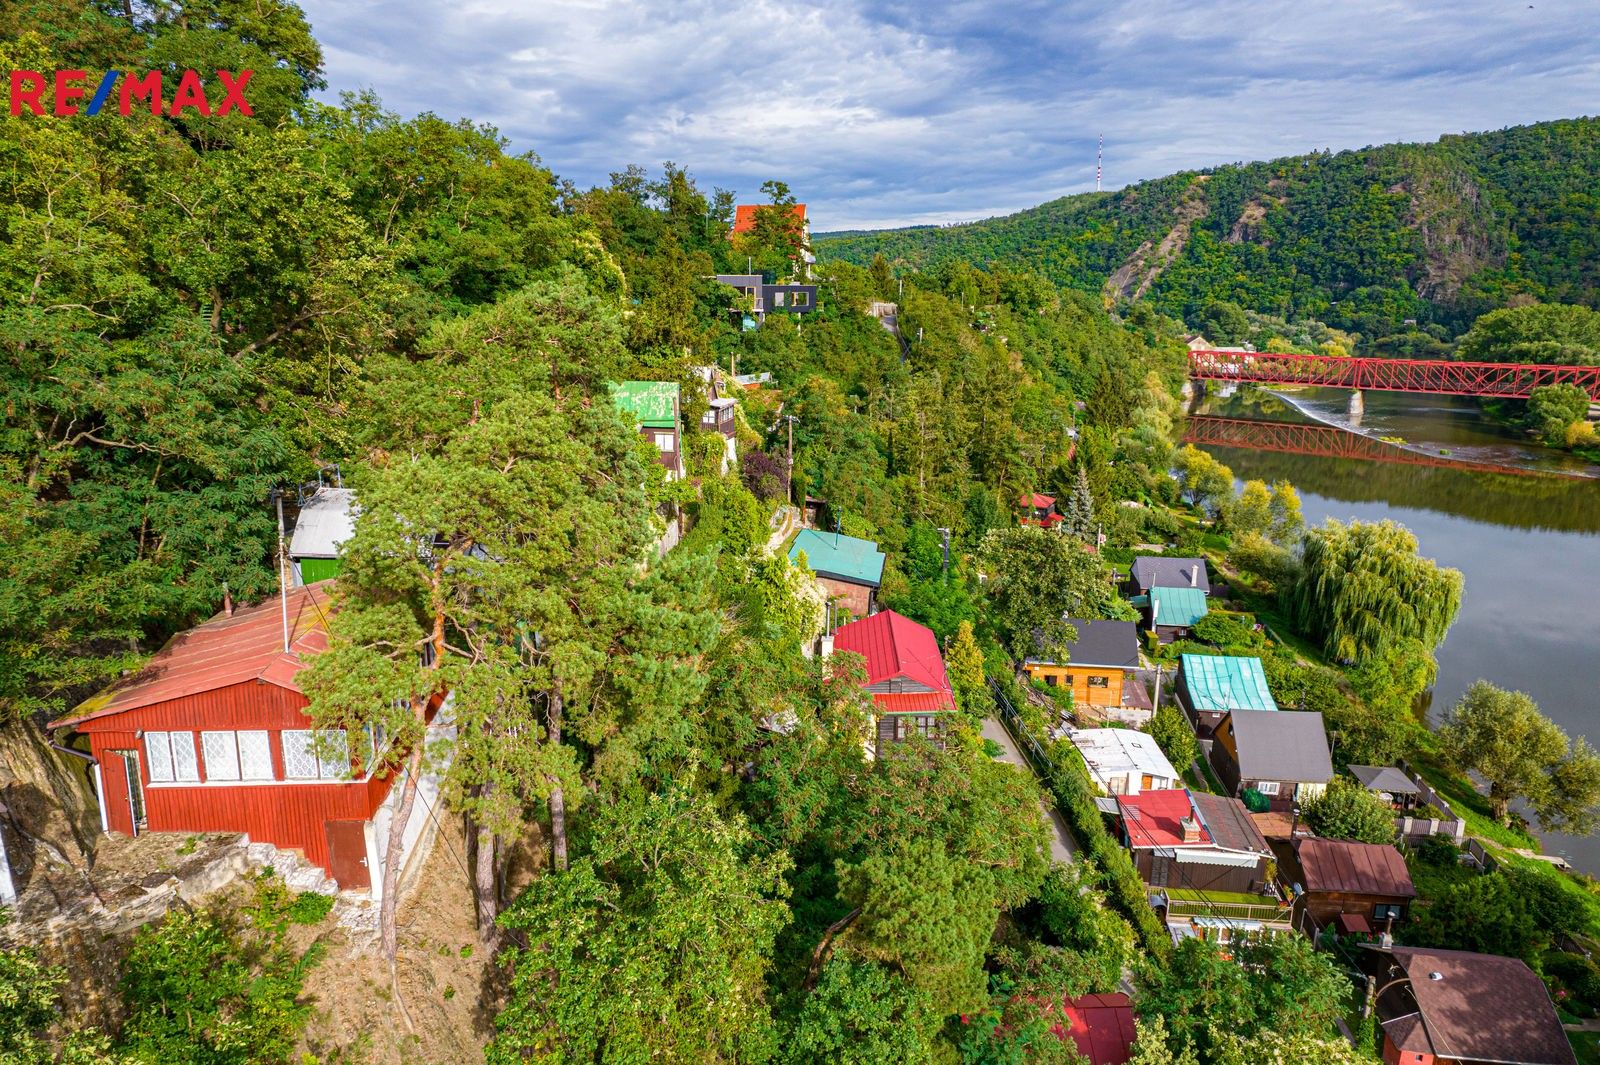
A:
<point x="666" y="441"/>
<point x="174" y="766"/>
<point x="1268" y="787"/>
<point x="225" y="766"/>
<point x="328" y="771"/>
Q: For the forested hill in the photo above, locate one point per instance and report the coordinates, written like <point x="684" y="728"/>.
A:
<point x="1361" y="240"/>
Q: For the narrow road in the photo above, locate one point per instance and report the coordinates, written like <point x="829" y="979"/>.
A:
<point x="1063" y="848"/>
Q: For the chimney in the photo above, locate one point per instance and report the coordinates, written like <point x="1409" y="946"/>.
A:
<point x="1190" y="828"/>
<point x="227" y="601"/>
<point x="1194" y="575"/>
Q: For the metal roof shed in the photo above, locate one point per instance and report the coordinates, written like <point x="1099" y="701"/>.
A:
<point x="1226" y="682"/>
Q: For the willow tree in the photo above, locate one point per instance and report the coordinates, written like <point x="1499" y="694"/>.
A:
<point x="1363" y="586"/>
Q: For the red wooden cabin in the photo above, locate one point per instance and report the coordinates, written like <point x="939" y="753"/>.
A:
<point x="212" y="736"/>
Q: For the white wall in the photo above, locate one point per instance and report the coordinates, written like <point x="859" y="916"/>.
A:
<point x="426" y="812"/>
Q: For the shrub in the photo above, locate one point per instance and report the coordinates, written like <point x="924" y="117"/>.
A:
<point x="1439" y="851"/>
<point x="309" y="907"/>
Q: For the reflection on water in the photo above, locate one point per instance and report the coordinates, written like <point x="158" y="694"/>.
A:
<point x="1529" y="547"/>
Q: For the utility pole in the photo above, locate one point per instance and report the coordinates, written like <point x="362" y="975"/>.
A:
<point x="283" y="584"/>
<point x="788" y="477"/>
<point x="945" y="534"/>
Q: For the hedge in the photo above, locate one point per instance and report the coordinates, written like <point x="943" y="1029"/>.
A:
<point x="1074" y="794"/>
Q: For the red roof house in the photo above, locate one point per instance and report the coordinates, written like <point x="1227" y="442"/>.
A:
<point x="1039" y="510"/>
<point x="1193" y="841"/>
<point x="744" y="216"/>
<point x="905" y="673"/>
<point x="212" y="736"/>
<point x="1101" y="1026"/>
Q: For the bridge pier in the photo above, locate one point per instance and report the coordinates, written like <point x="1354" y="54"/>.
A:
<point x="1358" y="407"/>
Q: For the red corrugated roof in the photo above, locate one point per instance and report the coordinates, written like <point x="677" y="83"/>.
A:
<point x="896" y="646"/>
<point x="1354" y="868"/>
<point x="1102" y="1026"/>
<point x="744" y="215"/>
<point x="1151" y="818"/>
<point x="220" y="652"/>
<point x="1037" y="500"/>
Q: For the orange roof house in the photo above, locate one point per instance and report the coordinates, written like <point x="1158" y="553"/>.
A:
<point x="744" y="216"/>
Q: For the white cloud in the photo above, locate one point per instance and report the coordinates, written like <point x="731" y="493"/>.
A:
<point x="943" y="111"/>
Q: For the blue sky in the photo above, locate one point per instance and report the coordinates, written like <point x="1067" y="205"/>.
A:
<point x="948" y="110"/>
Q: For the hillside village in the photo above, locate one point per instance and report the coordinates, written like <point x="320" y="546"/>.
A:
<point x="515" y="632"/>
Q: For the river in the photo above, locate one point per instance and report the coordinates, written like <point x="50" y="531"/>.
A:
<point x="1528" y="544"/>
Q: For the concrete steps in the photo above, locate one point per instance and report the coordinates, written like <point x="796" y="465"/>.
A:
<point x="297" y="873"/>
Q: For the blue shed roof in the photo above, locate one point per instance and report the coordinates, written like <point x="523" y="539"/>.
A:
<point x="1179" y="607"/>
<point x="836" y="555"/>
<point x="1223" y="682"/>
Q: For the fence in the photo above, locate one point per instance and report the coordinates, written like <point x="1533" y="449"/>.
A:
<point x="1074" y="796"/>
<point x="1417" y="828"/>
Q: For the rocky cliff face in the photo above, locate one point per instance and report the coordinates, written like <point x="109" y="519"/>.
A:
<point x="48" y="813"/>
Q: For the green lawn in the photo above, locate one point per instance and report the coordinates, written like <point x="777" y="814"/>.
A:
<point x="1586" y="1045"/>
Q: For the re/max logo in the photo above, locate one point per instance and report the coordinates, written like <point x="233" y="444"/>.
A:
<point x="28" y="89"/>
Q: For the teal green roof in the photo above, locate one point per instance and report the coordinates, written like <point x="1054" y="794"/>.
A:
<point x="653" y="404"/>
<point x="1222" y="682"/>
<point x="1179" y="607"/>
<point x="835" y="555"/>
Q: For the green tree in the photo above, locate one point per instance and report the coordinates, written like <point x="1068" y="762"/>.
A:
<point x="1079" y="512"/>
<point x="1287" y="521"/>
<point x="1172" y="734"/>
<point x="862" y="1013"/>
<point x="1349" y="811"/>
<point x="1207" y="482"/>
<point x="1537" y="332"/>
<point x="654" y="943"/>
<point x="882" y="277"/>
<point x="1521" y="754"/>
<point x="1265" y="984"/>
<point x="1097" y="945"/>
<point x="1363" y="585"/>
<point x="929" y="915"/>
<point x="1552" y="409"/>
<point x="1251" y="511"/>
<point x="212" y="988"/>
<point x="1483" y="913"/>
<point x="1223" y="322"/>
<point x="1036" y="578"/>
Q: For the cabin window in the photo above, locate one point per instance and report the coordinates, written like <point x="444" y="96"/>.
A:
<point x="1267" y="787"/>
<point x="237" y="755"/>
<point x="304" y="758"/>
<point x="221" y="751"/>
<point x="924" y="725"/>
<point x="1386" y="912"/>
<point x="1099" y="682"/>
<point x="664" y="441"/>
<point x="1051" y="680"/>
<point x="800" y="299"/>
<point x="170" y="757"/>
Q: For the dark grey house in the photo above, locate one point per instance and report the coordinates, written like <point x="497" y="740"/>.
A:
<point x="765" y="297"/>
<point x="1283" y="754"/>
<point x="1150" y="571"/>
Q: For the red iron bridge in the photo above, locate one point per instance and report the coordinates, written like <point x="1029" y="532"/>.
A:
<point x="1509" y="380"/>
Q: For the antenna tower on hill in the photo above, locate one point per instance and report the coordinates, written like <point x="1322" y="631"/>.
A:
<point x="1099" y="155"/>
